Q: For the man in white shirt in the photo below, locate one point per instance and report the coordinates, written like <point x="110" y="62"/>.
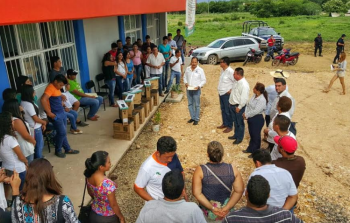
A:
<point x="280" y="126"/>
<point x="176" y="70"/>
<point x="283" y="192"/>
<point x="194" y="80"/>
<point x="238" y="99"/>
<point x="148" y="183"/>
<point x="172" y="208"/>
<point x="272" y="93"/>
<point x="224" y="89"/>
<point x="156" y="61"/>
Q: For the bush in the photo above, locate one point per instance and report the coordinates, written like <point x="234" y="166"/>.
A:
<point x="312" y="8"/>
<point x="336" y="6"/>
<point x="280" y="22"/>
<point x="179" y="23"/>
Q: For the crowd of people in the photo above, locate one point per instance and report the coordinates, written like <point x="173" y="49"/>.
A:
<point x="271" y="189"/>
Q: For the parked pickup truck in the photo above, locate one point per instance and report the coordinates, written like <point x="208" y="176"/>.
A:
<point x="262" y="32"/>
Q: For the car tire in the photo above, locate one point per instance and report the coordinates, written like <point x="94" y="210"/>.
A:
<point x="212" y="59"/>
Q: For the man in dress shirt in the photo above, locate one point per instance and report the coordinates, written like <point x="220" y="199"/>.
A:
<point x="172" y="43"/>
<point x="272" y="93"/>
<point x="238" y="99"/>
<point x="283" y="192"/>
<point x="194" y="80"/>
<point x="225" y="85"/>
<point x="156" y="61"/>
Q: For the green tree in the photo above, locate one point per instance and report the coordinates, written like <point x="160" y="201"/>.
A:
<point x="311" y="8"/>
<point x="337" y="6"/>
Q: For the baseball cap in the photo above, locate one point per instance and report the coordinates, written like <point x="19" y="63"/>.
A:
<point x="288" y="144"/>
<point x="72" y="72"/>
<point x="343" y="35"/>
<point x="279" y="74"/>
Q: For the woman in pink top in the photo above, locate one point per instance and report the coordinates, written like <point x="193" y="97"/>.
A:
<point x="136" y="57"/>
<point x="102" y="190"/>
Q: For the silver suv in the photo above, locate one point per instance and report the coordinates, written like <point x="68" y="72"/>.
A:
<point x="234" y="48"/>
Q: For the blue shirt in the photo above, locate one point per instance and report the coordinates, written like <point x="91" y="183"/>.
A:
<point x="130" y="67"/>
<point x="175" y="164"/>
<point x="164" y="49"/>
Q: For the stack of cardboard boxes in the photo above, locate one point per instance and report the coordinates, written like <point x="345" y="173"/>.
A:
<point x="135" y="108"/>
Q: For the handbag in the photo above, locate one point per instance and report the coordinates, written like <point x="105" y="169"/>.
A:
<point x="84" y="212"/>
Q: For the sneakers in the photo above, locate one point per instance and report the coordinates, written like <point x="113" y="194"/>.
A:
<point x="60" y="155"/>
<point x="195" y="123"/>
<point x="75" y="132"/>
<point x="190" y="121"/>
<point x="166" y="92"/>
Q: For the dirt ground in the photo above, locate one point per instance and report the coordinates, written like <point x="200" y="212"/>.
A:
<point x="323" y="136"/>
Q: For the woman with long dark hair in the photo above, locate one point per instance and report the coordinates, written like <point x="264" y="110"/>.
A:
<point x="10" y="152"/>
<point x="340" y="74"/>
<point x="20" y="82"/>
<point x="25" y="138"/>
<point x="253" y="113"/>
<point x="108" y="65"/>
<point x="129" y="70"/>
<point x="31" y="115"/>
<point x="105" y="208"/>
<point x="121" y="72"/>
<point x="41" y="200"/>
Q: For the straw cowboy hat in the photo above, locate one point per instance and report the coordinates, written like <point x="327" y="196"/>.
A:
<point x="279" y="74"/>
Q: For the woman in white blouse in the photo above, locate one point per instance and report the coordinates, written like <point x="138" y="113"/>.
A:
<point x="253" y="113"/>
<point x="340" y="73"/>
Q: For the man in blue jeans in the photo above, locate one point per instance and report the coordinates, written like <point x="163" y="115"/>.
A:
<point x="179" y="39"/>
<point x="238" y="99"/>
<point x="176" y="69"/>
<point x="165" y="49"/>
<point x="52" y="104"/>
<point x="84" y="99"/>
<point x="194" y="80"/>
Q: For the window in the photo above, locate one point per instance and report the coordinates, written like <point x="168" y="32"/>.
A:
<point x="238" y="42"/>
<point x="132" y="24"/>
<point x="228" y="44"/>
<point x="248" y="41"/>
<point x="27" y="49"/>
<point x="153" y="27"/>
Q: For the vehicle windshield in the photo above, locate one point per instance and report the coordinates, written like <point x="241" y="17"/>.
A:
<point x="267" y="32"/>
<point x="216" y="44"/>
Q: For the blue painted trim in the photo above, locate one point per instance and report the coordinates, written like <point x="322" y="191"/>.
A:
<point x="81" y="52"/>
<point x="4" y="80"/>
<point x="121" y="28"/>
<point x="144" y="26"/>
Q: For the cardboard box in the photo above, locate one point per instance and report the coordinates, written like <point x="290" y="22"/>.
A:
<point x="138" y="94"/>
<point x="145" y="104"/>
<point x="151" y="104"/>
<point x="130" y="102"/>
<point x="136" y="120"/>
<point x="123" y="111"/>
<point x="139" y="108"/>
<point x="154" y="82"/>
<point x="125" y="132"/>
<point x="148" y="89"/>
<point x="155" y="96"/>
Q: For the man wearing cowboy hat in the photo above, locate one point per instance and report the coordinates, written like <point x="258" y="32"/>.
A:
<point x="281" y="89"/>
<point x="272" y="93"/>
<point x="318" y="45"/>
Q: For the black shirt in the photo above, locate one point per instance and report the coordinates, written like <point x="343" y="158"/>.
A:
<point x="340" y="40"/>
<point x="145" y="45"/>
<point x="108" y="71"/>
<point x="318" y="41"/>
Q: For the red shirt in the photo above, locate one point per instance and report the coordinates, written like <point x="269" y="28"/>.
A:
<point x="271" y="42"/>
<point x="113" y="53"/>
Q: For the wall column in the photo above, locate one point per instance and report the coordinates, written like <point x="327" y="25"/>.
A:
<point x="4" y="80"/>
<point x="121" y="28"/>
<point x="144" y="26"/>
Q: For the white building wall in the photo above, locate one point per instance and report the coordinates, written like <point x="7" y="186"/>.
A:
<point x="99" y="34"/>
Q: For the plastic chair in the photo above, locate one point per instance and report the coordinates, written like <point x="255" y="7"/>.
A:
<point x="91" y="84"/>
<point x="101" y="77"/>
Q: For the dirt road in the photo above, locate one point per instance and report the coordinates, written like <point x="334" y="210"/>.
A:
<point x="323" y="135"/>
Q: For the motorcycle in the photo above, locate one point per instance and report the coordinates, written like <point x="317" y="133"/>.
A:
<point x="253" y="56"/>
<point x="286" y="57"/>
<point x="270" y="54"/>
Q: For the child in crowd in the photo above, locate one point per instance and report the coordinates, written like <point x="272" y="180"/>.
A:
<point x="31" y="115"/>
<point x="10" y="152"/>
<point x="72" y="115"/>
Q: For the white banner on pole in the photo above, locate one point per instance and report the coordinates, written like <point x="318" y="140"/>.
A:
<point x="190" y="16"/>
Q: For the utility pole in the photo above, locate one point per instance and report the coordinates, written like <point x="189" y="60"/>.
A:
<point x="208" y="6"/>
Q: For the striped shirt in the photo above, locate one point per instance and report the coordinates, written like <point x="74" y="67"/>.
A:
<point x="271" y="214"/>
<point x="256" y="106"/>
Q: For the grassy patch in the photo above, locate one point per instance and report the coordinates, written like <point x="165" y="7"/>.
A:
<point x="297" y="29"/>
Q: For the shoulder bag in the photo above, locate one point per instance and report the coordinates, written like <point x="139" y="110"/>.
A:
<point x="84" y="212"/>
<point x="218" y="178"/>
